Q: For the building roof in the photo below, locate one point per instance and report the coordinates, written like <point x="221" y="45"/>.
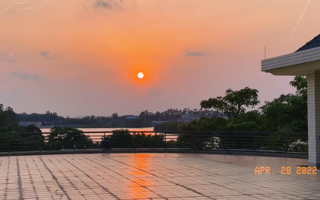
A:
<point x="315" y="42"/>
<point x="132" y="117"/>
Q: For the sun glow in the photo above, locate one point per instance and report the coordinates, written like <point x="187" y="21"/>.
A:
<point x="140" y="75"/>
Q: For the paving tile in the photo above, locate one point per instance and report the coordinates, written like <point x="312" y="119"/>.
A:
<point x="153" y="176"/>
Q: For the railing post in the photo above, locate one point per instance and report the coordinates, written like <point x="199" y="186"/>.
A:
<point x="73" y="145"/>
<point x="254" y="141"/>
<point x="9" y="141"/>
<point x="165" y="140"/>
<point x="102" y="144"/>
<point x="41" y="147"/>
<point x="286" y="142"/>
<point x="224" y="141"/>
<point x="41" y="144"/>
<point x="134" y="143"/>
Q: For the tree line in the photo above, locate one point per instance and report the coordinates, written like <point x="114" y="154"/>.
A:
<point x="284" y="121"/>
<point x="144" y="120"/>
<point x="287" y="113"/>
<point x="240" y="120"/>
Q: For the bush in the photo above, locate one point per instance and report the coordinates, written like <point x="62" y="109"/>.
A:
<point x="68" y="138"/>
<point x="141" y="140"/>
<point x="121" y="139"/>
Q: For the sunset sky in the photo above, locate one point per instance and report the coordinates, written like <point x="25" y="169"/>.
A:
<point x="82" y="57"/>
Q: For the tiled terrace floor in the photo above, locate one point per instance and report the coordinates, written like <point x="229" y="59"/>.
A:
<point x="152" y="176"/>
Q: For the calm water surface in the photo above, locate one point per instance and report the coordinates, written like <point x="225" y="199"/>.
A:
<point x="47" y="130"/>
<point x="97" y="136"/>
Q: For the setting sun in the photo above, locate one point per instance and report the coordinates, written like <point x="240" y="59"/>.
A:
<point x="140" y="75"/>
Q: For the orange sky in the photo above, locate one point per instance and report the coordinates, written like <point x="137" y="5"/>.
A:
<point x="80" y="57"/>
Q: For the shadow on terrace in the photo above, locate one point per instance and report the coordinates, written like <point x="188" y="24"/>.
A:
<point x="70" y="140"/>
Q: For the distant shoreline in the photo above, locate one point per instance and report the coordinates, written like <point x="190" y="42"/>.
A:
<point x="86" y="126"/>
<point x="93" y="127"/>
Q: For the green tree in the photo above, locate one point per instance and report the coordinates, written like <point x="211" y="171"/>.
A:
<point x="8" y="119"/>
<point x="193" y="135"/>
<point x="205" y="124"/>
<point x="31" y="138"/>
<point x="234" y="102"/>
<point x="121" y="138"/>
<point x="33" y="129"/>
<point x="142" y="140"/>
<point x="249" y="121"/>
<point x="289" y="112"/>
<point x="157" y="116"/>
<point x="300" y="83"/>
<point x="167" y="126"/>
<point x="115" y="116"/>
<point x="68" y="138"/>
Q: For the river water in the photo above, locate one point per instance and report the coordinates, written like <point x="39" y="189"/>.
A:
<point x="96" y="137"/>
<point x="47" y="130"/>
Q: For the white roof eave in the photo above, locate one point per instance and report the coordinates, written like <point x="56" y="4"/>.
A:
<point x="306" y="60"/>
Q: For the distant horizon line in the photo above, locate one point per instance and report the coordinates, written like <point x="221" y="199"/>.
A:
<point x="82" y="116"/>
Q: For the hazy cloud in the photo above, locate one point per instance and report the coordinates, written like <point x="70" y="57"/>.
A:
<point x="111" y="4"/>
<point x="195" y="53"/>
<point x="47" y="55"/>
<point x="8" y="58"/>
<point x="26" y="76"/>
<point x="105" y="4"/>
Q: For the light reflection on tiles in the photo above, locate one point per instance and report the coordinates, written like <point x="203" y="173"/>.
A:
<point x="152" y="176"/>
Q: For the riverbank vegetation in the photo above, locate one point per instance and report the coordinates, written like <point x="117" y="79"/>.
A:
<point x="283" y="121"/>
<point x="235" y="120"/>
<point x="144" y="119"/>
<point x="287" y="113"/>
